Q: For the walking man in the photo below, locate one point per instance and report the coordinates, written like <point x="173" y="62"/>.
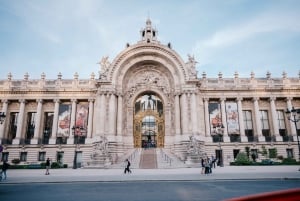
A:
<point x="4" y="168"/>
<point x="127" y="165"/>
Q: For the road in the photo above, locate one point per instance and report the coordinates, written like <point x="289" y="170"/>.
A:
<point x="141" y="190"/>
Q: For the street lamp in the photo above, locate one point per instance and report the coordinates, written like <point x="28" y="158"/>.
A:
<point x="219" y="130"/>
<point x="2" y="117"/>
<point x="75" y="131"/>
<point x="293" y="115"/>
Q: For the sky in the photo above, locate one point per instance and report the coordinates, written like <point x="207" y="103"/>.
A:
<point x="228" y="36"/>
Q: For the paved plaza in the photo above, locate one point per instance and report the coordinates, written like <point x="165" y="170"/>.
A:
<point x="174" y="174"/>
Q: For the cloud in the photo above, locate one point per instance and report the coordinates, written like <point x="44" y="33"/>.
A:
<point x="272" y="22"/>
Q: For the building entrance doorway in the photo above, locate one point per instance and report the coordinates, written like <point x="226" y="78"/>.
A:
<point x="148" y="121"/>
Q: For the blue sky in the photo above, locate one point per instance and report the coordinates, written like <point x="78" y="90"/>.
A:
<point x="225" y="36"/>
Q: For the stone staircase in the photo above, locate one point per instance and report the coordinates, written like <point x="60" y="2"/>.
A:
<point x="149" y="159"/>
<point x="166" y="159"/>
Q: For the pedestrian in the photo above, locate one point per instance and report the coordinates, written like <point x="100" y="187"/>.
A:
<point x="202" y="166"/>
<point x="127" y="166"/>
<point x="213" y="160"/>
<point x="4" y="168"/>
<point x="47" y="166"/>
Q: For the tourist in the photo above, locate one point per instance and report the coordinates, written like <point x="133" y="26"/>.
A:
<point x="127" y="166"/>
<point x="4" y="168"/>
<point x="47" y="166"/>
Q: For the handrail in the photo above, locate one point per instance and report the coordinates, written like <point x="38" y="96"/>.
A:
<point x="165" y="156"/>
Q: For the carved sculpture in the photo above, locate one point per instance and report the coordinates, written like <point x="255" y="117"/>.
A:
<point x="191" y="66"/>
<point x="104" y="67"/>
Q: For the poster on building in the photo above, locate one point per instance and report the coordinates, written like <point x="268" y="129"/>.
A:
<point x="215" y="117"/>
<point x="81" y="120"/>
<point x="64" y="117"/>
<point x="232" y="118"/>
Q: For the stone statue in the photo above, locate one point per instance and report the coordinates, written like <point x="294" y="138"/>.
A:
<point x="193" y="146"/>
<point x="104" y="67"/>
<point x="101" y="147"/>
<point x="191" y="66"/>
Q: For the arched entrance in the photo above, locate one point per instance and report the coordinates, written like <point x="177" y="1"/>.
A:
<point x="148" y="121"/>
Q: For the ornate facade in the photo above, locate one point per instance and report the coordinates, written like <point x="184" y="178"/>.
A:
<point x="147" y="94"/>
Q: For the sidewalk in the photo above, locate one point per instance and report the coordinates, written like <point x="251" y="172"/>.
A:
<point x="178" y="174"/>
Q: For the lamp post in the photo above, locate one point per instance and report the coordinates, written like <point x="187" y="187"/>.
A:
<point x="77" y="131"/>
<point x="293" y="115"/>
<point x="219" y="130"/>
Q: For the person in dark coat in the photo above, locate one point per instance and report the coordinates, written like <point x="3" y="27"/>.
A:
<point x="4" y="168"/>
<point x="127" y="165"/>
<point x="47" y="166"/>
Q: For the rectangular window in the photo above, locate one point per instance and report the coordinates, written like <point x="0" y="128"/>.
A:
<point x="48" y="121"/>
<point x="13" y="126"/>
<point x="247" y="116"/>
<point x="42" y="156"/>
<point x="23" y="156"/>
<point x="60" y="157"/>
<point x="31" y="118"/>
<point x="264" y="119"/>
<point x="290" y="153"/>
<point x="281" y="122"/>
<point x="5" y="156"/>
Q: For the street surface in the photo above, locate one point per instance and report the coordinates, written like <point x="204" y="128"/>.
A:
<point x="141" y="190"/>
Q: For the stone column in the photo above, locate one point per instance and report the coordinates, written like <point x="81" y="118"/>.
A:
<point x="206" y="117"/>
<point x="177" y="118"/>
<point x="2" y="126"/>
<point x="274" y="119"/>
<point x="224" y="122"/>
<point x="90" y="119"/>
<point x="292" y="124"/>
<point x="37" y="122"/>
<point x="72" y="121"/>
<point x="97" y="112"/>
<point x="102" y="114"/>
<point x="120" y="118"/>
<point x="241" y="120"/>
<point x="55" y="122"/>
<point x="20" y="122"/>
<point x="257" y="120"/>
<point x="184" y="115"/>
<point x="194" y="113"/>
<point x="112" y="117"/>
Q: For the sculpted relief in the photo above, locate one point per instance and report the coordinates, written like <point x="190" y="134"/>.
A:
<point x="147" y="79"/>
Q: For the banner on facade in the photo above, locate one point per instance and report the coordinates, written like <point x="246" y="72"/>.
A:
<point x="64" y="118"/>
<point x="215" y="117"/>
<point x="232" y="118"/>
<point x="81" y="120"/>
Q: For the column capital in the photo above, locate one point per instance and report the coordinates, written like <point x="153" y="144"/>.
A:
<point x="272" y="98"/>
<point x="74" y="100"/>
<point x="91" y="100"/>
<point x="4" y="101"/>
<point x="56" y="100"/>
<point x="39" y="100"/>
<point x="22" y="101"/>
<point x="255" y="98"/>
<point x="289" y="98"/>
<point x="239" y="98"/>
<point x="206" y="99"/>
<point x="222" y="99"/>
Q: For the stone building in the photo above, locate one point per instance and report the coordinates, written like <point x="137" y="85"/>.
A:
<point x="146" y="96"/>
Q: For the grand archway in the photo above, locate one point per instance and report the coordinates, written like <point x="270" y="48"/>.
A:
<point x="148" y="121"/>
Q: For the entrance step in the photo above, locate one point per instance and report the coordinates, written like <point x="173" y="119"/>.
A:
<point x="148" y="159"/>
<point x="166" y="159"/>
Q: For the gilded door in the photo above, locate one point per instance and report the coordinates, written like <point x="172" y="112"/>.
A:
<point x="148" y="121"/>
